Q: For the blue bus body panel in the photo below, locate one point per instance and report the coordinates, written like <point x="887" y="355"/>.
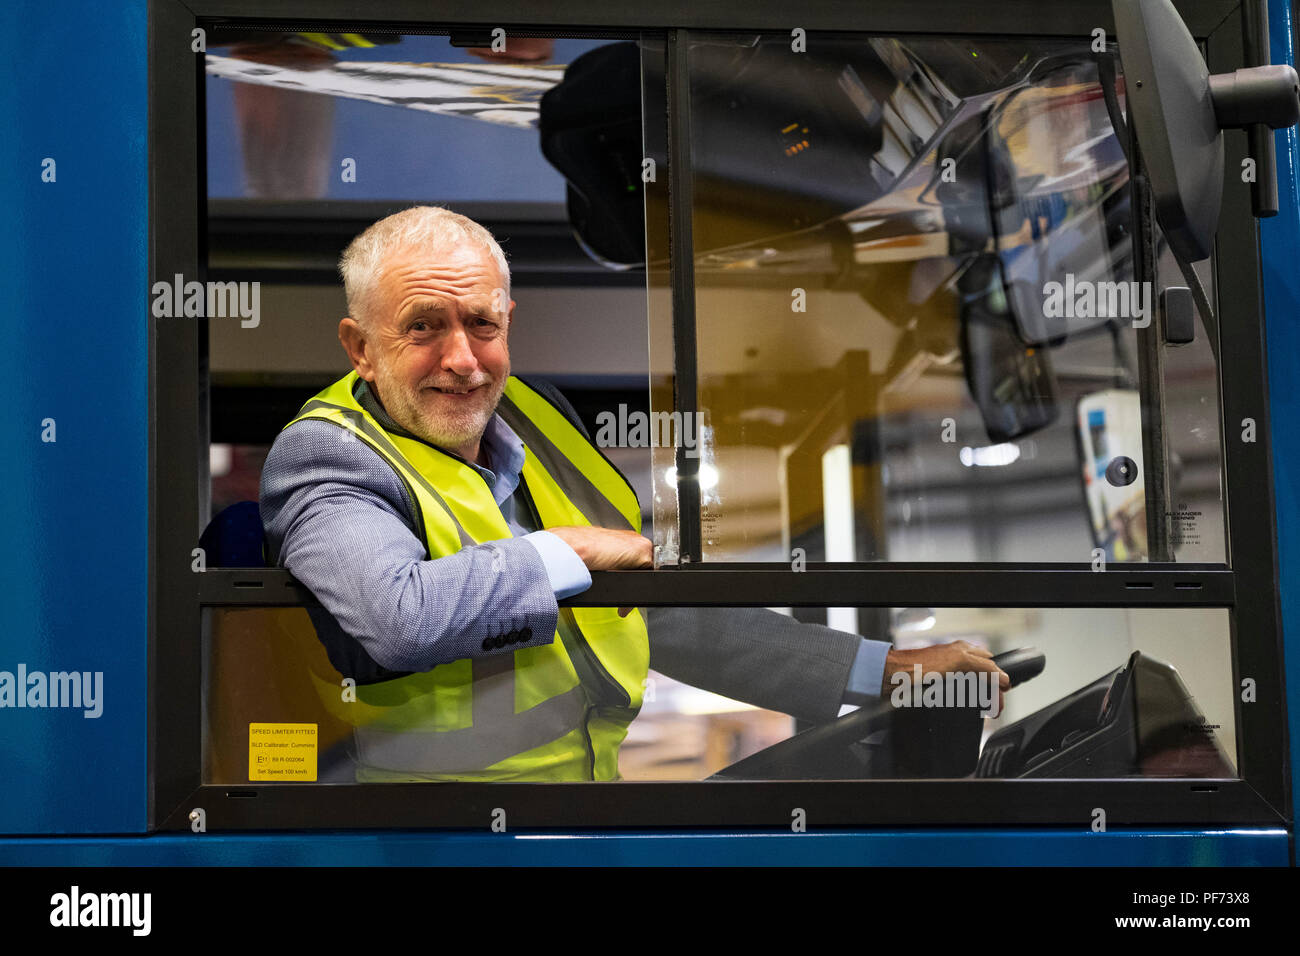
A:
<point x="75" y="510"/>
<point x="848" y="848"/>
<point x="1280" y="248"/>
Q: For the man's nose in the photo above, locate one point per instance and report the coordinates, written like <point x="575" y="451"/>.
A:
<point x="458" y="357"/>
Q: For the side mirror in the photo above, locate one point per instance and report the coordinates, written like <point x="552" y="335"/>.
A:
<point x="1179" y="112"/>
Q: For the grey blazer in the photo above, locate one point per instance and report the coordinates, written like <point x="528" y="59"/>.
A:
<point x="339" y="518"/>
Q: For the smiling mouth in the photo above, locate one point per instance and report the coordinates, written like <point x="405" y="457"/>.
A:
<point x="455" y="391"/>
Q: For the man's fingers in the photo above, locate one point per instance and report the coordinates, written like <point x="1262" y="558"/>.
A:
<point x="1004" y="682"/>
<point x="974" y="663"/>
<point x="644" y="553"/>
<point x="986" y="664"/>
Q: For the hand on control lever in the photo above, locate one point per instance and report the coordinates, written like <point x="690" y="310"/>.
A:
<point x="957" y="656"/>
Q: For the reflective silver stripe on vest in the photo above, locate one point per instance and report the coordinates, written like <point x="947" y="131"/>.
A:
<point x="600" y="511"/>
<point x="498" y="732"/>
<point x="362" y="424"/>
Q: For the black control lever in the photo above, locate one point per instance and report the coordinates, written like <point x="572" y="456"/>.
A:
<point x="1021" y="664"/>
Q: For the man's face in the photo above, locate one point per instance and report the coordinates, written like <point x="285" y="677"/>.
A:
<point x="436" y="353"/>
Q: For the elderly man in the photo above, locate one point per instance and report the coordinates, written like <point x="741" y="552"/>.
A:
<point x="439" y="507"/>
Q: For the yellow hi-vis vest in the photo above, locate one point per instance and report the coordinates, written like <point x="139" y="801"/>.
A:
<point x="552" y="712"/>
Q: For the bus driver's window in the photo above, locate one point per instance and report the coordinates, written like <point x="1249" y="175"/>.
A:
<point x="918" y="337"/>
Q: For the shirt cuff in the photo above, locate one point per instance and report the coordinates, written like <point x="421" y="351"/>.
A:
<point x="565" y="569"/>
<point x="868" y="673"/>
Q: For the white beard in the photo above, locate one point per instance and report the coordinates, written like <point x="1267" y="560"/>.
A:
<point x="447" y="423"/>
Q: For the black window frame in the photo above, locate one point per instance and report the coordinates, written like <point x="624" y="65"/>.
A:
<point x="178" y="430"/>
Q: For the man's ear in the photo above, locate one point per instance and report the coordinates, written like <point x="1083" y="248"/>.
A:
<point x="353" y="338"/>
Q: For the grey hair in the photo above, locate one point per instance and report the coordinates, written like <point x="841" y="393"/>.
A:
<point x="422" y="227"/>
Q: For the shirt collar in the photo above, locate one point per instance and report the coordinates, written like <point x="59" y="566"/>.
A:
<point x="503" y="448"/>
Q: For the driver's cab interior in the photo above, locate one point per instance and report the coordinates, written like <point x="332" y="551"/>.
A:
<point x="935" y="322"/>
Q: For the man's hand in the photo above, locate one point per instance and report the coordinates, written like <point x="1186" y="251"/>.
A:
<point x="956" y="656"/>
<point x="604" y="549"/>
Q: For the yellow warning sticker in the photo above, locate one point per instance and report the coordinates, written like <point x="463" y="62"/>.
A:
<point x="281" y="752"/>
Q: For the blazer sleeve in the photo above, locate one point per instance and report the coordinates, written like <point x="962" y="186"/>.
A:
<point x="755" y="655"/>
<point x="337" y="517"/>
